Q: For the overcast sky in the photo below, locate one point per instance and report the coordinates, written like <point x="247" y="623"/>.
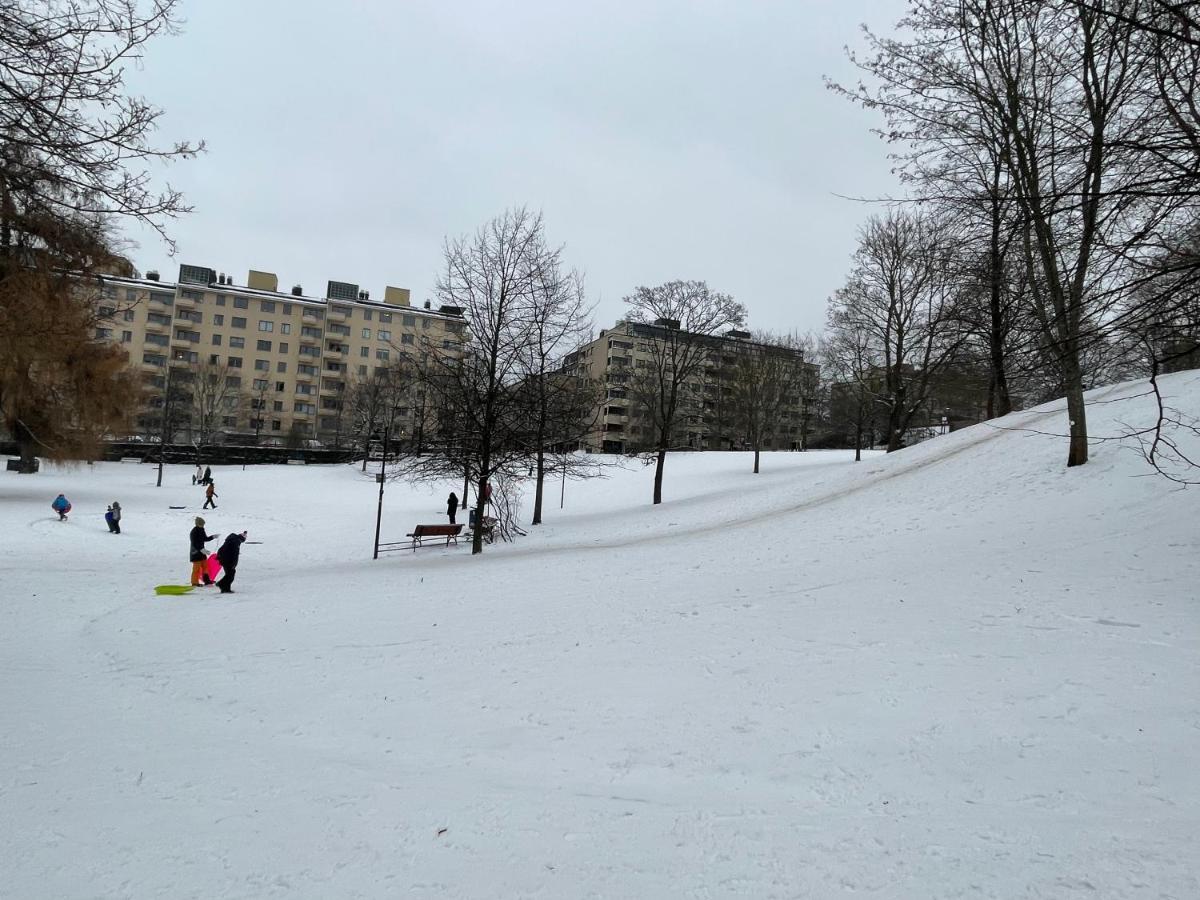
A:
<point x="660" y="139"/>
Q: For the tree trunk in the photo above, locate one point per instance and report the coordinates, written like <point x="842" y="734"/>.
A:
<point x="996" y="309"/>
<point x="477" y="531"/>
<point x="894" y="432"/>
<point x="658" y="474"/>
<point x="858" y="440"/>
<point x="756" y="459"/>
<point x="1076" y="411"/>
<point x="27" y="447"/>
<point x="537" y="493"/>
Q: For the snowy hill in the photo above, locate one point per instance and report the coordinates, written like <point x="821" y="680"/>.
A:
<point x="958" y="671"/>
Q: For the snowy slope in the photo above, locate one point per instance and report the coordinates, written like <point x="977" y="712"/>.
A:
<point x="958" y="671"/>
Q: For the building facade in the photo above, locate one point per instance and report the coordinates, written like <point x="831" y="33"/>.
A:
<point x="290" y="358"/>
<point x="709" y="418"/>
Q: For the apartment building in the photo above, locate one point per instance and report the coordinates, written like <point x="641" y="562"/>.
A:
<point x="708" y="419"/>
<point x="292" y="357"/>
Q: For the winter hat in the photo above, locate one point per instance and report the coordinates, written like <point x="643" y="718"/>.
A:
<point x="116" y="505"/>
<point x="199" y="521"/>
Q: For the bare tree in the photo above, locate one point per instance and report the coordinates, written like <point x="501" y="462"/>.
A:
<point x="562" y="408"/>
<point x="769" y="378"/>
<point x="900" y="298"/>
<point x="73" y="142"/>
<point x="677" y="322"/>
<point x="373" y="402"/>
<point x="474" y="388"/>
<point x="214" y="390"/>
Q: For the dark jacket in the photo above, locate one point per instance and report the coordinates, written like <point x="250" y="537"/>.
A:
<point x="452" y="505"/>
<point x="199" y="538"/>
<point x="230" y="551"/>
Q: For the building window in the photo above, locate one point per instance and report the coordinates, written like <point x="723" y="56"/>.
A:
<point x="304" y="389"/>
<point x="276" y="425"/>
<point x="237" y="342"/>
<point x="407" y="338"/>
<point x="264" y="325"/>
<point x="385" y="316"/>
<point x="213" y="359"/>
<point x="220" y="299"/>
<point x="234" y="381"/>
<point x="364" y="352"/>
<point x="241" y="303"/>
<point x="197" y="296"/>
<point x="362" y="371"/>
<point x="261" y="384"/>
<point x="280" y="387"/>
<point x="159" y="340"/>
<point x="367" y="314"/>
<point x="382" y="354"/>
<point x="264" y="346"/>
<point x="238" y="322"/>
<point x="262" y="365"/>
<point x="127" y="315"/>
<point x="366" y="334"/>
<point x="229" y="421"/>
<point x="154" y="359"/>
<point x="287" y="309"/>
<point x="126" y="337"/>
<point x="103" y="334"/>
<point x="235" y="362"/>
<point x="267" y="306"/>
<point x="216" y="339"/>
<point x="281" y="367"/>
<point x="164" y="299"/>
<point x="218" y="318"/>
<point x="384" y="334"/>
<point x="285" y="328"/>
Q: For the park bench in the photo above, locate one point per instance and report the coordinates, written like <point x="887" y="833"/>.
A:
<point x="449" y="532"/>
<point x="131" y="459"/>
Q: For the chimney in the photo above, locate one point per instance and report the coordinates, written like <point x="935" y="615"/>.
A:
<point x="427" y="304"/>
<point x="297" y="291"/>
<point x="152" y="275"/>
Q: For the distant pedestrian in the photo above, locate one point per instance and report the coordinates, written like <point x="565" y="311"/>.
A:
<point x="197" y="554"/>
<point x="209" y="493"/>
<point x="198" y="474"/>
<point x="113" y="517"/>
<point x="452" y="506"/>
<point x="62" y="506"/>
<point x="228" y="556"/>
<point x="206" y="478"/>
<point x="486" y="497"/>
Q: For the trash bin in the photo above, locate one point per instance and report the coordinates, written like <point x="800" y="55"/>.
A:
<point x="471" y="517"/>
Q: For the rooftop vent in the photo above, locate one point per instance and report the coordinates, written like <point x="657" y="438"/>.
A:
<point x="152" y="275"/>
<point x="673" y="324"/>
<point x="427" y="304"/>
<point x="341" y="290"/>
<point x="297" y="291"/>
<point x="450" y="310"/>
<point x="737" y="335"/>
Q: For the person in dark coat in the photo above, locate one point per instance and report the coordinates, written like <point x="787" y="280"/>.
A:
<point x="452" y="506"/>
<point x="207" y="479"/>
<point x="198" y="554"/>
<point x="113" y="517"/>
<point x="228" y="555"/>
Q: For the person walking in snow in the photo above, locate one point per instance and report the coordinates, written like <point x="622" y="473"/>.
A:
<point x="62" y="506"/>
<point x="228" y="556"/>
<point x="198" y="474"/>
<point x="452" y="506"/>
<point x="198" y="555"/>
<point x="206" y="478"/>
<point x="209" y="493"/>
<point x="113" y="517"/>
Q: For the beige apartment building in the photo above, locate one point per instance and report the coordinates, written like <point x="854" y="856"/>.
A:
<point x="291" y="357"/>
<point x="708" y="420"/>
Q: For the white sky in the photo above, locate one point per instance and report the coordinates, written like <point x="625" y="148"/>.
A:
<point x="662" y="140"/>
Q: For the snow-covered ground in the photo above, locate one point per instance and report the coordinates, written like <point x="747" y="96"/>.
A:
<point x="959" y="671"/>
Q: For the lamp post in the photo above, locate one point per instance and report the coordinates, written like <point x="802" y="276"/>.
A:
<point x="380" y="478"/>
